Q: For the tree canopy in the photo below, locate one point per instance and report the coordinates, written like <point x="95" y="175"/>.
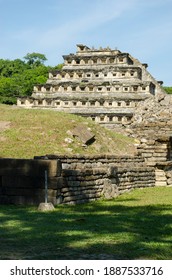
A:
<point x="17" y="77"/>
<point x="35" y="59"/>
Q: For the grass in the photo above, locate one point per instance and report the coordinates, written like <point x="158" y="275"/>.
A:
<point x="137" y="225"/>
<point x="33" y="132"/>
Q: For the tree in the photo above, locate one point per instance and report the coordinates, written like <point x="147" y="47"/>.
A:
<point x="35" y="59"/>
<point x="8" y="90"/>
<point x="17" y="77"/>
<point x="11" y="67"/>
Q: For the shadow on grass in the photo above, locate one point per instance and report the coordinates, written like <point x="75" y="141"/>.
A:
<point x="100" y="230"/>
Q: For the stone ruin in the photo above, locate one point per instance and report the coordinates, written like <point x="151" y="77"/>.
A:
<point x="71" y="179"/>
<point x="103" y="84"/>
<point x="152" y="127"/>
<point x="115" y="90"/>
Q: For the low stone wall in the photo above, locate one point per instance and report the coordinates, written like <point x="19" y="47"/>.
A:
<point x="91" y="184"/>
<point x="163" y="173"/>
<point x="83" y="185"/>
<point x="96" y="161"/>
<point x="155" y="150"/>
<point x="71" y="180"/>
<point x="135" y="177"/>
<point x="22" y="181"/>
<point x="87" y="178"/>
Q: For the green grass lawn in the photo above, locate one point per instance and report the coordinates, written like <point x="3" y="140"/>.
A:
<point x="137" y="225"/>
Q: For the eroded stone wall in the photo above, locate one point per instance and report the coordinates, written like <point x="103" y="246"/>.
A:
<point x="77" y="179"/>
<point x="152" y="127"/>
<point x="87" y="178"/>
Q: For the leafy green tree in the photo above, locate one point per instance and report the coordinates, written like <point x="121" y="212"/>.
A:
<point x="30" y="77"/>
<point x="11" y="67"/>
<point x="58" y="67"/>
<point x="17" y="77"/>
<point x="35" y="59"/>
<point x="8" y="90"/>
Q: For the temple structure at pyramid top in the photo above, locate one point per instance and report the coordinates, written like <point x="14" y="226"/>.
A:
<point x="103" y="84"/>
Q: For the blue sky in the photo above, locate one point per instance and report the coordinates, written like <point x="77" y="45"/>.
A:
<point x="54" y="27"/>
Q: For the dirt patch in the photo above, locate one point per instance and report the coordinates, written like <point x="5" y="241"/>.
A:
<point x="4" y="125"/>
<point x="2" y="138"/>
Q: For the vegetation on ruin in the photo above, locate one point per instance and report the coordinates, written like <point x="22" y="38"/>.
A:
<point x="137" y="225"/>
<point x="168" y="89"/>
<point x="26" y="133"/>
<point x="17" y="77"/>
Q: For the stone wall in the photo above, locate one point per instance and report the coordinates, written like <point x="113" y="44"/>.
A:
<point x="95" y="161"/>
<point x="71" y="180"/>
<point x="87" y="178"/>
<point x="152" y="126"/>
<point x="163" y="173"/>
<point x="155" y="150"/>
<point x="83" y="185"/>
<point x="152" y="118"/>
<point x="22" y="181"/>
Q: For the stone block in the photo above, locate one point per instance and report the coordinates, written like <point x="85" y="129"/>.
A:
<point x="169" y="181"/>
<point x="73" y="183"/>
<point x="169" y="174"/>
<point x="143" y="140"/>
<point x="160" y="183"/>
<point x="110" y="190"/>
<point x="147" y="155"/>
<point x="83" y="134"/>
<point x="150" y="142"/>
<point x="162" y="154"/>
<point x="56" y="182"/>
<point x="45" y="207"/>
<point x="29" y="167"/>
<point x="99" y="182"/>
<point x="160" y="179"/>
<point x="98" y="171"/>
